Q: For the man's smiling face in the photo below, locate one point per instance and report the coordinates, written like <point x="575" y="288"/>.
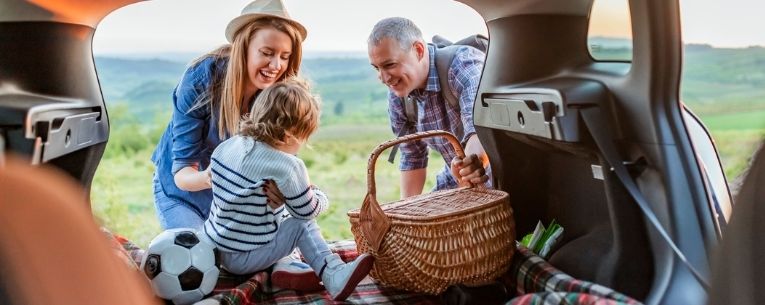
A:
<point x="401" y="69"/>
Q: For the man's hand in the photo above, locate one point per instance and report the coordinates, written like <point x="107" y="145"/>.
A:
<point x="275" y="198"/>
<point x="469" y="170"/>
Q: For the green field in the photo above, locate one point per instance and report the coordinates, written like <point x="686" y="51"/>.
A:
<point x="737" y="121"/>
<point x="336" y="159"/>
<point x="337" y="162"/>
<point x="725" y="87"/>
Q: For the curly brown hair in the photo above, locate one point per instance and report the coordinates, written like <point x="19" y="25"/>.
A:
<point x="286" y="108"/>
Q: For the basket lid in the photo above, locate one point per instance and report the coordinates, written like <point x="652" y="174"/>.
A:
<point x="441" y="203"/>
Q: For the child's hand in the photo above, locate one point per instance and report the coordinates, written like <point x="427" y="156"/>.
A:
<point x="275" y="198"/>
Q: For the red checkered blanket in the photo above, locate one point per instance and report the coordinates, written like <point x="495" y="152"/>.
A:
<point x="257" y="289"/>
<point x="534" y="281"/>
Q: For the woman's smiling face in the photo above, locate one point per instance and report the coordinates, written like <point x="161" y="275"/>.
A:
<point x="268" y="56"/>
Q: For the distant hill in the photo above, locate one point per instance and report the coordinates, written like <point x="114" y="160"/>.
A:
<point x="610" y="42"/>
<point x="120" y="77"/>
<point x="718" y="80"/>
<point x="185" y="57"/>
<point x="181" y="57"/>
<point x="715" y="80"/>
<point x="146" y="85"/>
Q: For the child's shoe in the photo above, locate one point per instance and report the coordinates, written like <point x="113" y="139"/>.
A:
<point x="292" y="273"/>
<point x="340" y="279"/>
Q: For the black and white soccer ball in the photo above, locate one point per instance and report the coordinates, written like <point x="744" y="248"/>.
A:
<point x="181" y="267"/>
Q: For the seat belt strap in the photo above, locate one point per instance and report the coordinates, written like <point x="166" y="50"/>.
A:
<point x="593" y="119"/>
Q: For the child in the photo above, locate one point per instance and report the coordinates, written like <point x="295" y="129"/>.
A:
<point x="250" y="221"/>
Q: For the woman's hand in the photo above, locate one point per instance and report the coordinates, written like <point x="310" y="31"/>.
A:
<point x="208" y="176"/>
<point x="275" y="198"/>
<point x="469" y="170"/>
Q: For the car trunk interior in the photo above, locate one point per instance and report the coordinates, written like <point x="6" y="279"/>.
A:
<point x="603" y="241"/>
<point x="538" y="79"/>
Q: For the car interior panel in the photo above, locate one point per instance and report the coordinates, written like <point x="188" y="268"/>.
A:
<point x="61" y="122"/>
<point x="529" y="117"/>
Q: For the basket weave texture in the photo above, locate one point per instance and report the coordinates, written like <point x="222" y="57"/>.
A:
<point x="428" y="242"/>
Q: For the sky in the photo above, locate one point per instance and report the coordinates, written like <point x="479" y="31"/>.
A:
<point x="333" y="25"/>
<point x="343" y="25"/>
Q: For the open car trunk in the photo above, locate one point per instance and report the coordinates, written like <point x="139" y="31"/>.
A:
<point x="538" y="86"/>
<point x="538" y="82"/>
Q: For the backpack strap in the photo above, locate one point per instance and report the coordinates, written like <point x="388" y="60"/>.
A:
<point x="410" y="110"/>
<point x="444" y="58"/>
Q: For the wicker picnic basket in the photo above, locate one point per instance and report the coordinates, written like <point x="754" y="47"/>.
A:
<point x="428" y="242"/>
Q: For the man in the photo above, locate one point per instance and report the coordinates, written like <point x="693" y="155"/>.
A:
<point x="405" y="63"/>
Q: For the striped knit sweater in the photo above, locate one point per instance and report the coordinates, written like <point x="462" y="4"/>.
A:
<point x="240" y="219"/>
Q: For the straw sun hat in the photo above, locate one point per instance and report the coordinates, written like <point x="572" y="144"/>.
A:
<point x="259" y="9"/>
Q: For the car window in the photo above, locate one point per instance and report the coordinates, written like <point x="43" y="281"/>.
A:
<point x="722" y="80"/>
<point x="609" y="37"/>
<point x="721" y="205"/>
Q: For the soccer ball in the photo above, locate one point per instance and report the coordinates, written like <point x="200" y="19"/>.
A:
<point x="181" y="267"/>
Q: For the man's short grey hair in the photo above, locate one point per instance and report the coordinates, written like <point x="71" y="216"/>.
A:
<point x="400" y="29"/>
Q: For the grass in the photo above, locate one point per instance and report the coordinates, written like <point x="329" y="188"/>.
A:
<point x="122" y="196"/>
<point x="337" y="162"/>
<point x="722" y="86"/>
<point x="740" y="121"/>
<point x="736" y="136"/>
<point x="735" y="148"/>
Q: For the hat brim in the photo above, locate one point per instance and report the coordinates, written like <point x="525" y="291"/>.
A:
<point x="238" y="22"/>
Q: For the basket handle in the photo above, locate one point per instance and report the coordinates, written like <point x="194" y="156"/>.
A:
<point x="371" y="187"/>
<point x="373" y="221"/>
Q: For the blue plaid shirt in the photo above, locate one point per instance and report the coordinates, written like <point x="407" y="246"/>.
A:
<point x="435" y="113"/>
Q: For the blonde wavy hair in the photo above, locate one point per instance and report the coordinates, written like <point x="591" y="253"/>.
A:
<point x="285" y="109"/>
<point x="226" y="92"/>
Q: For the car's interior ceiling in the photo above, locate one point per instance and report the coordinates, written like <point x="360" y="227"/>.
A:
<point x="84" y="12"/>
<point x="491" y="10"/>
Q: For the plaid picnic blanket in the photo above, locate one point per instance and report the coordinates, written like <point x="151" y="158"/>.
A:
<point x="257" y="289"/>
<point x="537" y="282"/>
<point x="534" y="281"/>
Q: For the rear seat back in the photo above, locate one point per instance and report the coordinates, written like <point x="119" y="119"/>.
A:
<point x="552" y="170"/>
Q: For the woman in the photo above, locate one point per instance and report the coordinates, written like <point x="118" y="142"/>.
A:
<point x="214" y="93"/>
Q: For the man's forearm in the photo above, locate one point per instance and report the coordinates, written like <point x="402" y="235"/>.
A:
<point x="412" y="182"/>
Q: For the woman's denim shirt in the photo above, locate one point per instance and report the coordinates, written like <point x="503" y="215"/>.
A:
<point x="192" y="134"/>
